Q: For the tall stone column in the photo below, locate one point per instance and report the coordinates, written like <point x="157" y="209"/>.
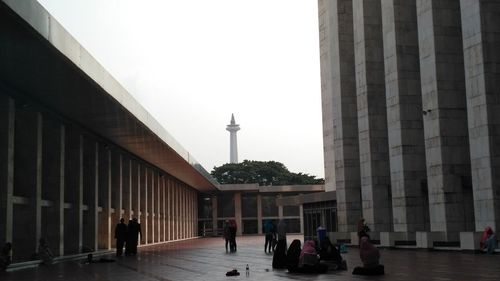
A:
<point x="27" y="184"/>
<point x="214" y="212"/>
<point x="163" y="189"/>
<point x="301" y="210"/>
<point x="404" y="116"/>
<point x="73" y="217"/>
<point x="90" y="193"/>
<point x="152" y="210"/>
<point x="175" y="210"/>
<point x="237" y="213"/>
<point x="127" y="189"/>
<point x="143" y="204"/>
<point x="481" y="40"/>
<point x="259" y="214"/>
<point x="169" y="209"/>
<point x="445" y="117"/>
<point x="339" y="90"/>
<point x="326" y="45"/>
<point x="104" y="199"/>
<point x="116" y="187"/>
<point x="53" y="184"/>
<point x="7" y="128"/>
<point x="372" y="114"/>
<point x="134" y="188"/>
<point x="150" y="205"/>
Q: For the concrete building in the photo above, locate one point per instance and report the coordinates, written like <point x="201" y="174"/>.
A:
<point x="77" y="152"/>
<point x="233" y="128"/>
<point x="410" y="97"/>
<point x="250" y="205"/>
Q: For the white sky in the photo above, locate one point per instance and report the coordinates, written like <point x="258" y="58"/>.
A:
<point x="193" y="63"/>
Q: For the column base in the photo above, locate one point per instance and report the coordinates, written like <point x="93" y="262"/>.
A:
<point x="339" y="237"/>
<point x="394" y="239"/>
<point x="470" y="240"/>
<point x="425" y="240"/>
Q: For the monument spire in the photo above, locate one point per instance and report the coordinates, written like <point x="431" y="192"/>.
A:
<point x="233" y="149"/>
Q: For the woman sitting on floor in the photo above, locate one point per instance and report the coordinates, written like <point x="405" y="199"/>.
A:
<point x="331" y="254"/>
<point x="370" y="257"/>
<point x="309" y="259"/>
<point x="489" y="240"/>
<point x="292" y="256"/>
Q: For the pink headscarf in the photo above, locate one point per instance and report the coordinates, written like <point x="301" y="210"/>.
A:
<point x="309" y="248"/>
<point x="487" y="232"/>
<point x="368" y="253"/>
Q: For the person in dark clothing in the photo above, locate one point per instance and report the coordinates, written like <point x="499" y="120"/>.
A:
<point x="370" y="257"/>
<point x="279" y="256"/>
<point x="309" y="260"/>
<point x="128" y="250"/>
<point x="227" y="234"/>
<point x="120" y="236"/>
<point x="133" y="232"/>
<point x="268" y="229"/>
<point x="292" y="256"/>
<point x="232" y="230"/>
<point x="330" y="253"/>
<point x="5" y="256"/>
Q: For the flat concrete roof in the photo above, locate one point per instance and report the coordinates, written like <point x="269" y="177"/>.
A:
<point x="254" y="187"/>
<point x="42" y="61"/>
<point x="306" y="198"/>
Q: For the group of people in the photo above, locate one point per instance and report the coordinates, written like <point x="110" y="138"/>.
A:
<point x="230" y="235"/>
<point x="273" y="234"/>
<point x="312" y="258"/>
<point x="128" y="236"/>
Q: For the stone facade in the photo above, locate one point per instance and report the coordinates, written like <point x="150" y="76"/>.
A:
<point x="422" y="153"/>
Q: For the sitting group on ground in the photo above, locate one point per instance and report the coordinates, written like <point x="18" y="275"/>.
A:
<point x="320" y="257"/>
<point x="309" y="259"/>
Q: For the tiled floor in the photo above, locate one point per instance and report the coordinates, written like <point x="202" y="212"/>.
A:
<point x="206" y="259"/>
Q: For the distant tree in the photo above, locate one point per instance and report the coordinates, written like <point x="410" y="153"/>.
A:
<point x="263" y="173"/>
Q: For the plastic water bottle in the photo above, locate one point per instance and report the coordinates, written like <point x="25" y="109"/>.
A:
<point x="247" y="270"/>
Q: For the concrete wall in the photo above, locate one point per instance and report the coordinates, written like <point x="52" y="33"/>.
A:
<point x="62" y="183"/>
<point x="422" y="153"/>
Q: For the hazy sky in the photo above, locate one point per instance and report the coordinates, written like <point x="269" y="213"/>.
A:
<point x="193" y="63"/>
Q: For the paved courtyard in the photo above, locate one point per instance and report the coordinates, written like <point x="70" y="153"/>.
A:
<point x="206" y="259"/>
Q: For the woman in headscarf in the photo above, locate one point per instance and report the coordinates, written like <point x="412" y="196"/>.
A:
<point x="309" y="260"/>
<point x="292" y="256"/>
<point x="370" y="257"/>
<point x="329" y="252"/>
<point x="279" y="256"/>
<point x="488" y="240"/>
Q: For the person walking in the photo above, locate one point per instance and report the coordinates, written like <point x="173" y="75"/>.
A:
<point x="120" y="236"/>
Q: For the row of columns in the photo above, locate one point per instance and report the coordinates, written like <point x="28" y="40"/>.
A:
<point x="238" y="213"/>
<point x="410" y="113"/>
<point x="60" y="183"/>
